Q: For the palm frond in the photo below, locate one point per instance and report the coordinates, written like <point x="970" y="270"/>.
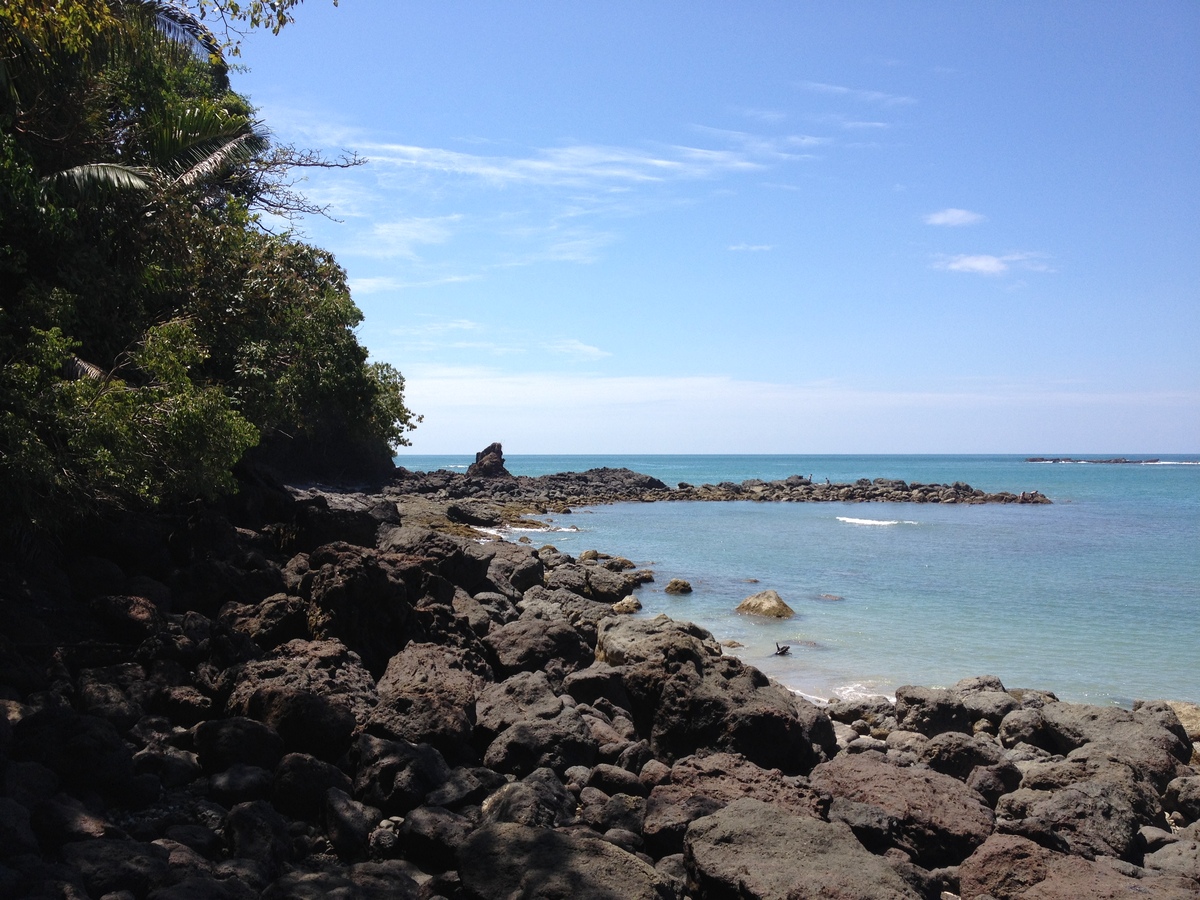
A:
<point x="75" y="369"/>
<point x="212" y="162"/>
<point x="97" y="180"/>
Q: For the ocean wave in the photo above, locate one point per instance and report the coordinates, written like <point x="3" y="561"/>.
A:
<point x="851" y="521"/>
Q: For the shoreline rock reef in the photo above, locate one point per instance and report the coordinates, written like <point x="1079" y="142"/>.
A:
<point x="316" y="694"/>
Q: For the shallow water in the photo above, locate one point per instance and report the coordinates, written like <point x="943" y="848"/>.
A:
<point x="1096" y="597"/>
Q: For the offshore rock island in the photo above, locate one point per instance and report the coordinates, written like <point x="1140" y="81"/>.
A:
<point x="348" y="692"/>
<point x="488" y="495"/>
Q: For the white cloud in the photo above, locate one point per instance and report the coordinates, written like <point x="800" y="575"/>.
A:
<point x="577" y="349"/>
<point x="987" y="264"/>
<point x="954" y="217"/>
<point x="752" y="248"/>
<point x="564" y="412"/>
<point x="764" y="115"/>
<point x="579" y="165"/>
<point x="381" y="284"/>
<point x="819" y="87"/>
<point x="400" y="238"/>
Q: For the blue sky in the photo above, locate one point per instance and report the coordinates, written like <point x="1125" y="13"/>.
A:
<point x="763" y="227"/>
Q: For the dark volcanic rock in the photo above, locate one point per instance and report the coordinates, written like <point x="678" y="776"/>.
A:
<point x="427" y="695"/>
<point x="1007" y="867"/>
<point x="689" y="697"/>
<point x="396" y="776"/>
<point x="357" y="598"/>
<point x="930" y="711"/>
<point x="752" y="849"/>
<point x="940" y="820"/>
<point x="489" y="463"/>
<point x="314" y="693"/>
<point x="221" y="743"/>
<point x="701" y="785"/>
<point x="501" y="861"/>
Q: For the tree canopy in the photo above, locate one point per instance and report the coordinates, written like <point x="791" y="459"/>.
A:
<point x="152" y="331"/>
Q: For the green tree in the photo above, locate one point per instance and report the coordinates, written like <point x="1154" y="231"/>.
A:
<point x="150" y="331"/>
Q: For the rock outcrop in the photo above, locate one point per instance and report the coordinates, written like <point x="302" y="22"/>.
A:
<point x="356" y="705"/>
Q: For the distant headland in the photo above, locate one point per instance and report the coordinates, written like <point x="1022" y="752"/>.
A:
<point x="1116" y="461"/>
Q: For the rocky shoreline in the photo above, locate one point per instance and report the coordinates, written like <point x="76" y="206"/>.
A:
<point x="344" y="693"/>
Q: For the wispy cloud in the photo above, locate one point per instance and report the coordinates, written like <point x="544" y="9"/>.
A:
<point x="752" y="248"/>
<point x="577" y="349"/>
<point x="384" y="283"/>
<point x="577" y="165"/>
<point x="401" y="237"/>
<point x="954" y="217"/>
<point x="465" y="407"/>
<point x="764" y="115"/>
<point x="820" y="87"/>
<point x="987" y="264"/>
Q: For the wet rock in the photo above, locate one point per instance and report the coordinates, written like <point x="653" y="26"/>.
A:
<point x="678" y="586"/>
<point x="753" y="849"/>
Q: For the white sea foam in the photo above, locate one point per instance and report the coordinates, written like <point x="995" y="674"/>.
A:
<point x="850" y="521"/>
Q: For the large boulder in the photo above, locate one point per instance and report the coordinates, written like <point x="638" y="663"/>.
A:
<point x="751" y="849"/>
<point x="688" y="697"/>
<point x="592" y="581"/>
<point x="931" y="711"/>
<point x="427" y="695"/>
<point x="356" y="597"/>
<point x="86" y="752"/>
<point x="1008" y="867"/>
<point x="501" y="861"/>
<point x="939" y="820"/>
<point x="1150" y="740"/>
<point x="396" y="776"/>
<point x="536" y="642"/>
<point x="766" y="603"/>
<point x="314" y="693"/>
<point x="701" y="785"/>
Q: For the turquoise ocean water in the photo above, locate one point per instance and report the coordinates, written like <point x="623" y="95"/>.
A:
<point x="1096" y="597"/>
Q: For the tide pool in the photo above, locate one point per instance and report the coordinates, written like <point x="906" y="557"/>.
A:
<point x="1096" y="597"/>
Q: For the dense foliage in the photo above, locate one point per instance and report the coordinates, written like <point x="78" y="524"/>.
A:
<point x="151" y="332"/>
